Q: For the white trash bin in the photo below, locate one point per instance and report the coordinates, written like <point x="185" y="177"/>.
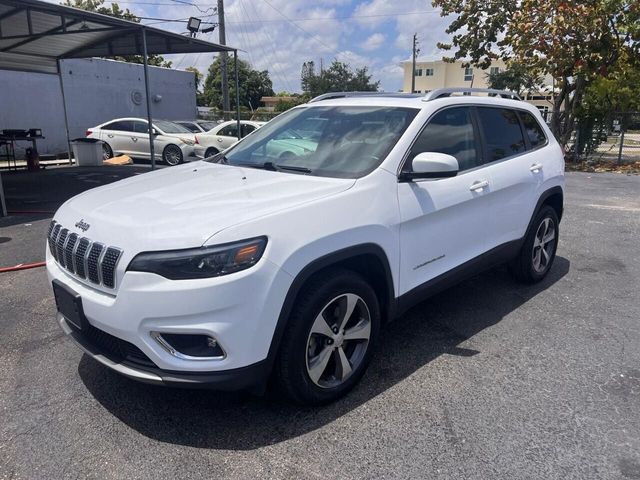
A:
<point x="87" y="152"/>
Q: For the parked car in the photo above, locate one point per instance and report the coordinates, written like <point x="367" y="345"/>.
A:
<point x="197" y="126"/>
<point x="223" y="136"/>
<point x="173" y="143"/>
<point x="248" y="265"/>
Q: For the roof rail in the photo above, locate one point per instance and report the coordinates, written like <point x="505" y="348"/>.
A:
<point x="446" y="92"/>
<point x="330" y="95"/>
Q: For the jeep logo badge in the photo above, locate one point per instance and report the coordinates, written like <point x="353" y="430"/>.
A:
<point x="82" y="225"/>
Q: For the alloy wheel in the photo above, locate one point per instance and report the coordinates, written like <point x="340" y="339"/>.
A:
<point x="543" y="245"/>
<point x="172" y="155"/>
<point x="338" y="340"/>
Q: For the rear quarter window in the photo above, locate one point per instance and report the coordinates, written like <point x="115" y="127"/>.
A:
<point x="502" y="132"/>
<point x="533" y="130"/>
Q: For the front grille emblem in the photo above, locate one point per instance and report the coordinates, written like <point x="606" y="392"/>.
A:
<point x="82" y="225"/>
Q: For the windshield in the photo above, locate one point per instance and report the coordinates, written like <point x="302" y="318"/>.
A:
<point x="169" y="127"/>
<point x="343" y="142"/>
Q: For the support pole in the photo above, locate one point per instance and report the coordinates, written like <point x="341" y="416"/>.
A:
<point x="226" y="103"/>
<point x="413" y="63"/>
<point x="3" y="205"/>
<point x="147" y="94"/>
<point x="235" y="66"/>
<point x="64" y="110"/>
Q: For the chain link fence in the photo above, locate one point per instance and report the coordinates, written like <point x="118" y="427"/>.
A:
<point x="613" y="138"/>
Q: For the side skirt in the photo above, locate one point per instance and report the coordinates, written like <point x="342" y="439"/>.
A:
<point x="496" y="256"/>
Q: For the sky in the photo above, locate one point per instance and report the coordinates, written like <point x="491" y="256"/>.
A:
<point x="279" y="35"/>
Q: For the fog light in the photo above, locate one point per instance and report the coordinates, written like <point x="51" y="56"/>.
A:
<point x="190" y="346"/>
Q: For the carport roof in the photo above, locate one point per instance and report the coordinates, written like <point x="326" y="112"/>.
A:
<point x="35" y="34"/>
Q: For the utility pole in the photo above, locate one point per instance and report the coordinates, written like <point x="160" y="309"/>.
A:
<point x="226" y="105"/>
<point x="416" y="51"/>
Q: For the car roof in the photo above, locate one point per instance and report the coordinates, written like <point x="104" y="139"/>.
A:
<point x="421" y="102"/>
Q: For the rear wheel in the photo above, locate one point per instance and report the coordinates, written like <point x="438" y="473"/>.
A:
<point x="539" y="248"/>
<point x="172" y="155"/>
<point x="329" y="339"/>
<point x="210" y="152"/>
<point x="107" y="153"/>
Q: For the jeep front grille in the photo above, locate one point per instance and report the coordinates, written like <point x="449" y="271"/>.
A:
<point x="88" y="260"/>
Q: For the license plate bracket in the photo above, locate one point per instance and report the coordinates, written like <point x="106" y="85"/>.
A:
<point x="69" y="304"/>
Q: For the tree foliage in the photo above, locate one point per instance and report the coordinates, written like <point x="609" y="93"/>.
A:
<point x="516" y="78"/>
<point x="254" y="85"/>
<point x="114" y="10"/>
<point x="339" y="77"/>
<point x="574" y="41"/>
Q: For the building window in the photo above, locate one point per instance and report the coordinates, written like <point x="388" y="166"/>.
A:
<point x="418" y="72"/>
<point x="494" y="70"/>
<point x="468" y="74"/>
<point x="428" y="72"/>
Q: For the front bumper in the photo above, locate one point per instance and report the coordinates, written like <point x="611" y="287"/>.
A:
<point x="252" y="377"/>
<point x="239" y="310"/>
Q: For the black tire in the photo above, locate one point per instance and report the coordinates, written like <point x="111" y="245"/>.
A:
<point x="292" y="364"/>
<point x="524" y="267"/>
<point x="172" y="155"/>
<point x="107" y="153"/>
<point x="210" y="152"/>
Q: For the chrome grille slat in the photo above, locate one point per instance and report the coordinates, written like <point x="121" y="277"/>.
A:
<point x="81" y="257"/>
<point x="53" y="240"/>
<point x="92" y="261"/>
<point x="108" y="266"/>
<point x="68" y="252"/>
<point x="60" y="242"/>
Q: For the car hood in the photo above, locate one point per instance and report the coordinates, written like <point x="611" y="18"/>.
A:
<point x="184" y="206"/>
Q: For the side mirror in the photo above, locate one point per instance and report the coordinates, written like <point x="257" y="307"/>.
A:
<point x="154" y="132"/>
<point x="431" y="165"/>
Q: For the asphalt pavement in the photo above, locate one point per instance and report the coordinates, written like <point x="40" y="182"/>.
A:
<point x="488" y="380"/>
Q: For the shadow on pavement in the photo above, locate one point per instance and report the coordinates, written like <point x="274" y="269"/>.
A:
<point x="239" y="421"/>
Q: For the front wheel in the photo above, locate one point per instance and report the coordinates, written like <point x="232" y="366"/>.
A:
<point x="172" y="155"/>
<point x="539" y="248"/>
<point x="329" y="339"/>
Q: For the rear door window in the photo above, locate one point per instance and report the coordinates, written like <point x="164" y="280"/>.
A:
<point x="449" y="131"/>
<point x="246" y="129"/>
<point x="533" y="130"/>
<point x="229" y="131"/>
<point x="120" y="125"/>
<point x="502" y="133"/>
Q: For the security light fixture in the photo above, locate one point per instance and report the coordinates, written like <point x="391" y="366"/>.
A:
<point x="193" y="25"/>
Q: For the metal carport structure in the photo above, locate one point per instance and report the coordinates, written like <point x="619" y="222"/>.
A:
<point x="35" y="36"/>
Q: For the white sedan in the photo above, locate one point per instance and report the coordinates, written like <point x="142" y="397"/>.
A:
<point x="223" y="136"/>
<point x="172" y="142"/>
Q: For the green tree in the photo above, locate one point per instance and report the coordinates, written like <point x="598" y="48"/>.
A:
<point x="200" y="100"/>
<point x="576" y="42"/>
<point x="114" y="10"/>
<point x="517" y="78"/>
<point x="339" y="77"/>
<point x="254" y="85"/>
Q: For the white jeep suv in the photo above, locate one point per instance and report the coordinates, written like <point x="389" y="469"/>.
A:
<point x="249" y="264"/>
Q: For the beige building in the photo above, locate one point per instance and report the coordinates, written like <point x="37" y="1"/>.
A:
<point x="439" y="74"/>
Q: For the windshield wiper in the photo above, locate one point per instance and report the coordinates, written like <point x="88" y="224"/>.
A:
<point x="274" y="167"/>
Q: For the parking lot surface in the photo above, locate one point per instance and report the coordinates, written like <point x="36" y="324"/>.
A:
<point x="489" y="379"/>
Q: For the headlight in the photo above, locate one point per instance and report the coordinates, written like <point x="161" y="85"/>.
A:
<point x="188" y="141"/>
<point x="203" y="262"/>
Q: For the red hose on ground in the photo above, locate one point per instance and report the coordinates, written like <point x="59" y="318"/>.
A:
<point x="22" y="266"/>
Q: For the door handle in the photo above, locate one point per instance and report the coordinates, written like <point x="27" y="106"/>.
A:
<point x="536" y="167"/>
<point x="135" y="139"/>
<point x="478" y="185"/>
<point x="110" y="135"/>
<point x="220" y="140"/>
